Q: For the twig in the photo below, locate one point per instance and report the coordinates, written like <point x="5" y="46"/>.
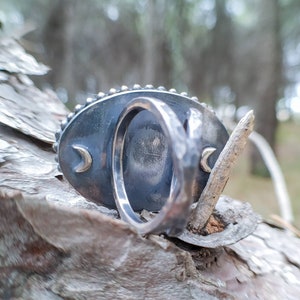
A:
<point x="285" y="224"/>
<point x="221" y="171"/>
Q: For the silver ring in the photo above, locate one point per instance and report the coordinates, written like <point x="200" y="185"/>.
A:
<point x="84" y="147"/>
<point x="173" y="216"/>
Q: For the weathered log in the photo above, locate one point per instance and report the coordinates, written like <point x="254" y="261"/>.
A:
<point x="56" y="245"/>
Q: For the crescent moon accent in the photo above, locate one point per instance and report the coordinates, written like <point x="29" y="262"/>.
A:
<point x="87" y="160"/>
<point x="207" y="152"/>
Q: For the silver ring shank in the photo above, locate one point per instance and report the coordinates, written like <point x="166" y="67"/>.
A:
<point x="173" y="216"/>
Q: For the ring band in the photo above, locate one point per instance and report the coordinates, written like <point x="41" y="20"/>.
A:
<point x="173" y="216"/>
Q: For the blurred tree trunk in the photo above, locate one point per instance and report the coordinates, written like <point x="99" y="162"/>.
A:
<point x="150" y="44"/>
<point x="59" y="36"/>
<point x="269" y="70"/>
<point x="178" y="25"/>
<point x="221" y="53"/>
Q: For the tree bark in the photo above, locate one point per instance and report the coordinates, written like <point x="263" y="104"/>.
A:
<point x="56" y="245"/>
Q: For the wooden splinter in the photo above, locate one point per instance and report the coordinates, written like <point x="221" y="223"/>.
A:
<point x="220" y="173"/>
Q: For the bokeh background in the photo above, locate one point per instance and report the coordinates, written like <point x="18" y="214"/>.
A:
<point x="235" y="55"/>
